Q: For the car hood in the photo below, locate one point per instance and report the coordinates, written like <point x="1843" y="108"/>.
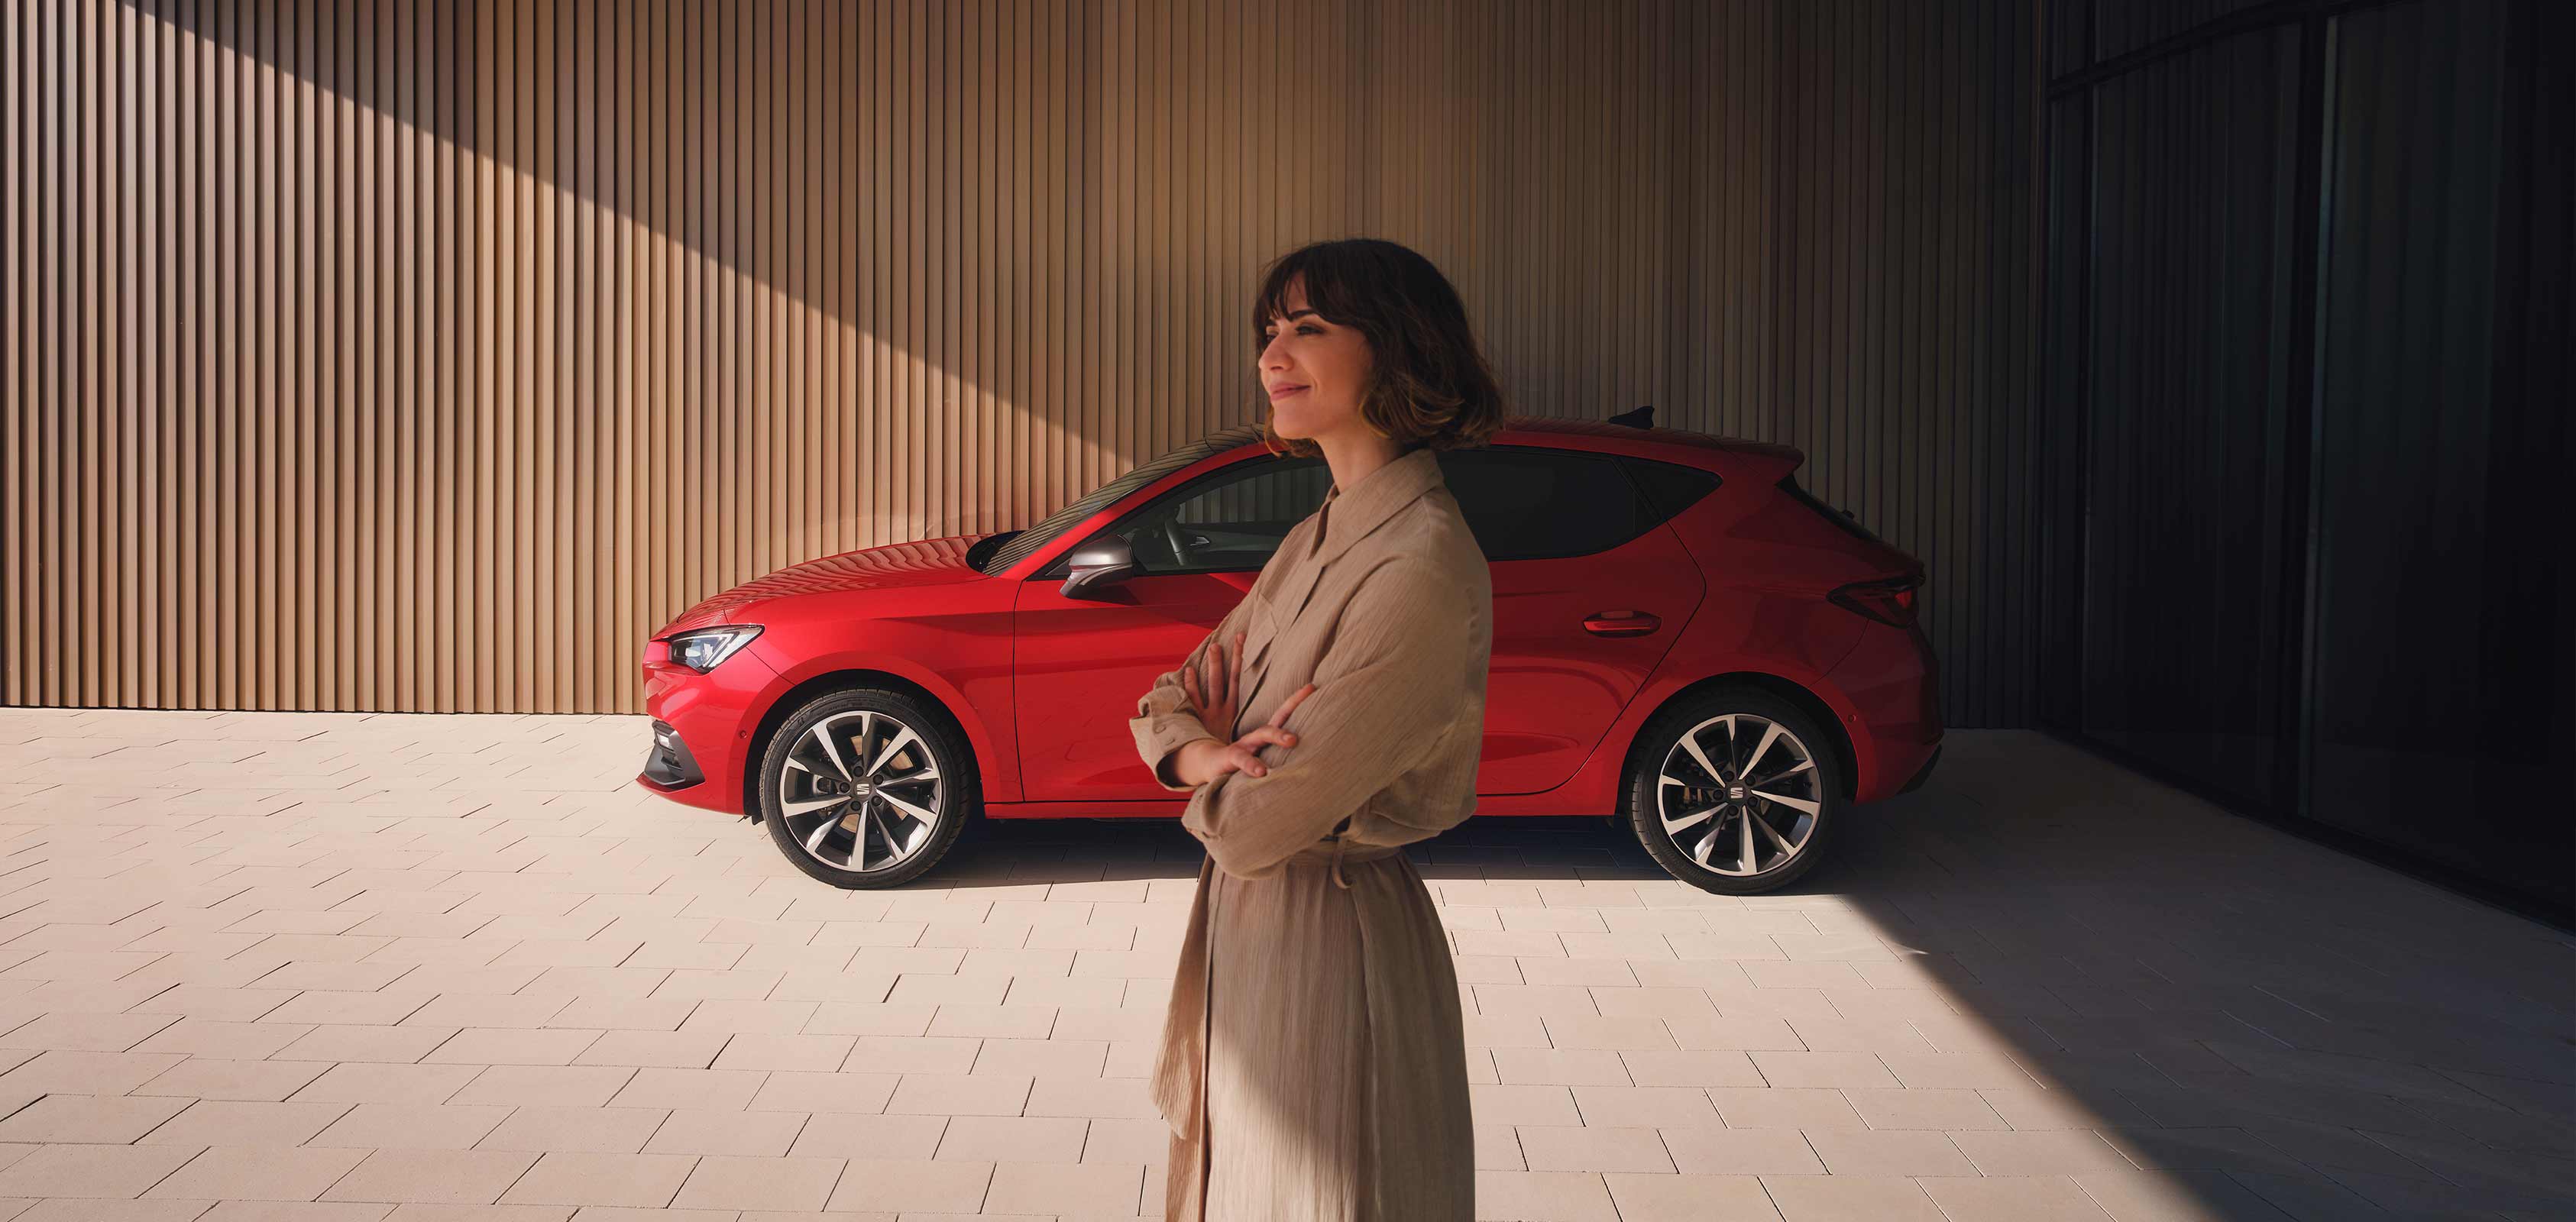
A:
<point x="930" y="562"/>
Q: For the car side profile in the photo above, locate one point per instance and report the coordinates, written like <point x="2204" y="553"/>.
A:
<point x="1683" y="638"/>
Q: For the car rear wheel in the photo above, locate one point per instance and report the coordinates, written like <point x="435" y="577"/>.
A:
<point x="1734" y="791"/>
<point x="867" y="788"/>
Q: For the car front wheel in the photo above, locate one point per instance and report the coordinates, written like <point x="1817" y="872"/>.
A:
<point x="1734" y="791"/>
<point x="866" y="788"/>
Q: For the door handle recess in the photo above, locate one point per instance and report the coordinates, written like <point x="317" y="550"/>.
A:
<point x="1622" y="623"/>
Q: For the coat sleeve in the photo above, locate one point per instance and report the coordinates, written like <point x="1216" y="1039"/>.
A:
<point x="1163" y="721"/>
<point x="1387" y="689"/>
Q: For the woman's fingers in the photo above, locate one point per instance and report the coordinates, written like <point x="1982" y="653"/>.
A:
<point x="1269" y="734"/>
<point x="1289" y="705"/>
<point x="1242" y="758"/>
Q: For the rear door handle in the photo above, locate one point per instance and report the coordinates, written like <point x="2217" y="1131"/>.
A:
<point x="1622" y="623"/>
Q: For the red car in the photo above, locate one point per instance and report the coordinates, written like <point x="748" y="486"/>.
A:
<point x="1682" y="637"/>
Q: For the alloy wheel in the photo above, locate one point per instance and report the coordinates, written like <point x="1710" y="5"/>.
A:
<point x="861" y="791"/>
<point x="1739" y="794"/>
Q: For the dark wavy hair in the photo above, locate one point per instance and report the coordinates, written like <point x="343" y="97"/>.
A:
<point x="1430" y="385"/>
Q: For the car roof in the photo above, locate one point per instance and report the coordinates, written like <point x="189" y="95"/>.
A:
<point x="1682" y="445"/>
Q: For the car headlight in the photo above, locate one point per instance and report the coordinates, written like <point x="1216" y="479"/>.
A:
<point x="704" y="649"/>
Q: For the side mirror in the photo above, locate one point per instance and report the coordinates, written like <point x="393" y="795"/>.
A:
<point x="1099" y="564"/>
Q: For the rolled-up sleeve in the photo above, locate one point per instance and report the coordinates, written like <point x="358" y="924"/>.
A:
<point x="1387" y="689"/>
<point x="1163" y="721"/>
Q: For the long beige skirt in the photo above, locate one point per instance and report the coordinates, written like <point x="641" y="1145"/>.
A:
<point x="1334" y="1074"/>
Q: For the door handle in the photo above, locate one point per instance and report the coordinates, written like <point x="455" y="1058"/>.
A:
<point x="1622" y="623"/>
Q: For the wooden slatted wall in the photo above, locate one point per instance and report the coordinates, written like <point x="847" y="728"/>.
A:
<point x="426" y="354"/>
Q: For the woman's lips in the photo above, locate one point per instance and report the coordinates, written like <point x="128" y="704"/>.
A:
<point x="1284" y="391"/>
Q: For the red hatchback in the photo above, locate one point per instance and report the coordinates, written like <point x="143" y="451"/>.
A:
<point x="1682" y="637"/>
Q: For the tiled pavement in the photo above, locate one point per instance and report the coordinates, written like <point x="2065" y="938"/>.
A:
<point x="322" y="967"/>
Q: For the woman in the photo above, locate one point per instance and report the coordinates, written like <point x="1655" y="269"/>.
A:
<point x="1313" y="1062"/>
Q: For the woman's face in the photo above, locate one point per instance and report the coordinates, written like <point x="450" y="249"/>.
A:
<point x="1314" y="371"/>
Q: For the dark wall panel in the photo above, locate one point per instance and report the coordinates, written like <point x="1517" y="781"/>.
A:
<point x="2307" y="313"/>
<point x="2439" y="617"/>
<point x="2187" y="414"/>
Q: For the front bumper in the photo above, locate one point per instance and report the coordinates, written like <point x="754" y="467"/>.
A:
<point x="670" y="766"/>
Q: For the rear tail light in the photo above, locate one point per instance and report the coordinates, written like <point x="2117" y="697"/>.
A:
<point x="1888" y="600"/>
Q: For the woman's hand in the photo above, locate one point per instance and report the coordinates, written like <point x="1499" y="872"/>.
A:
<point x="1213" y="692"/>
<point x="1210" y="689"/>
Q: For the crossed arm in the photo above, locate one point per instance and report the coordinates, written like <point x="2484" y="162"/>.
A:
<point x="1384" y="693"/>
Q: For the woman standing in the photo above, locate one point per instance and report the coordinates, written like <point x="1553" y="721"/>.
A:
<point x="1313" y="1063"/>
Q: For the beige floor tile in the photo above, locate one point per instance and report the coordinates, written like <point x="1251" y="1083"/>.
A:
<point x="1784" y="1107"/>
<point x="1595" y="1148"/>
<point x="2041" y="1152"/>
<point x="1645" y="1107"/>
<point x="1508" y="1105"/>
<point x="432" y="1177"/>
<point x="1010" y="1139"/>
<point x="1923" y="1109"/>
<point x="823" y="1092"/>
<point x="752" y="1135"/>
<point x="1850" y="1198"/>
<point x="893" y="1186"/>
<point x="1560" y="1067"/>
<point x="392" y="1045"/>
<point x="554" y="1086"/>
<point x="1735" y="1032"/>
<point x="575" y="1130"/>
<point x="2014" y="1199"/>
<point x="655" y="1049"/>
<point x="718" y="1089"/>
<point x="775" y="1184"/>
<point x="960" y="1095"/>
<point x="638" y="1181"/>
<point x="1739" y="1152"/>
<point x="389" y="1083"/>
<point x="1890" y="1152"/>
<point x="220" y="1123"/>
<point x="204" y="1078"/>
<point x="86" y="1119"/>
<point x="471" y="1011"/>
<point x="87" y="1073"/>
<point x="1544" y="1196"/>
<point x="1065" y="1188"/>
<point x="90" y="1032"/>
<point x="792" y="1053"/>
<point x="1041" y="1058"/>
<point x="875" y="1138"/>
<point x="117" y="1171"/>
<point x="411" y="1126"/>
<point x="1826" y="1069"/>
<point x="1655" y="1068"/>
<point x="258" y="1173"/>
<point x="1690" y="1198"/>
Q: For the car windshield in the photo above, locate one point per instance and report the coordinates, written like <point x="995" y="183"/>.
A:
<point x="1027" y="542"/>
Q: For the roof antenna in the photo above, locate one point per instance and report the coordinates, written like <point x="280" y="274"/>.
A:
<point x="1642" y="418"/>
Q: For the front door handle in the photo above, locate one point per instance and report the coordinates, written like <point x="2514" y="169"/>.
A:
<point x="1622" y="623"/>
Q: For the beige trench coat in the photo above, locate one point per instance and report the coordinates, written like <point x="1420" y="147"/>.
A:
<point x="1313" y="1063"/>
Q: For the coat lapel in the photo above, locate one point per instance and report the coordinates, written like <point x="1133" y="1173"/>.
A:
<point x="1341" y="522"/>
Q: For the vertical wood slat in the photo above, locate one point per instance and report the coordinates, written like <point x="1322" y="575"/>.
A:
<point x="426" y="354"/>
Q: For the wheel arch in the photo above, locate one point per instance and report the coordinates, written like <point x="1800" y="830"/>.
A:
<point x="1837" y="738"/>
<point x="851" y="679"/>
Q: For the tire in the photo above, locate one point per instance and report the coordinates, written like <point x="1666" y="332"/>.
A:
<point x="821" y="801"/>
<point x="1692" y="820"/>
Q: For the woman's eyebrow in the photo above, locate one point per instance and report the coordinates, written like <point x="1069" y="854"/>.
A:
<point x="1288" y="318"/>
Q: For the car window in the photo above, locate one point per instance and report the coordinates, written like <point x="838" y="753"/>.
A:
<point x="1227" y="521"/>
<point x="1021" y="544"/>
<point x="1525" y="503"/>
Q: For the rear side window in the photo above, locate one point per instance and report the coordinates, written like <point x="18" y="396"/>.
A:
<point x="1532" y="504"/>
<point x="1669" y="488"/>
